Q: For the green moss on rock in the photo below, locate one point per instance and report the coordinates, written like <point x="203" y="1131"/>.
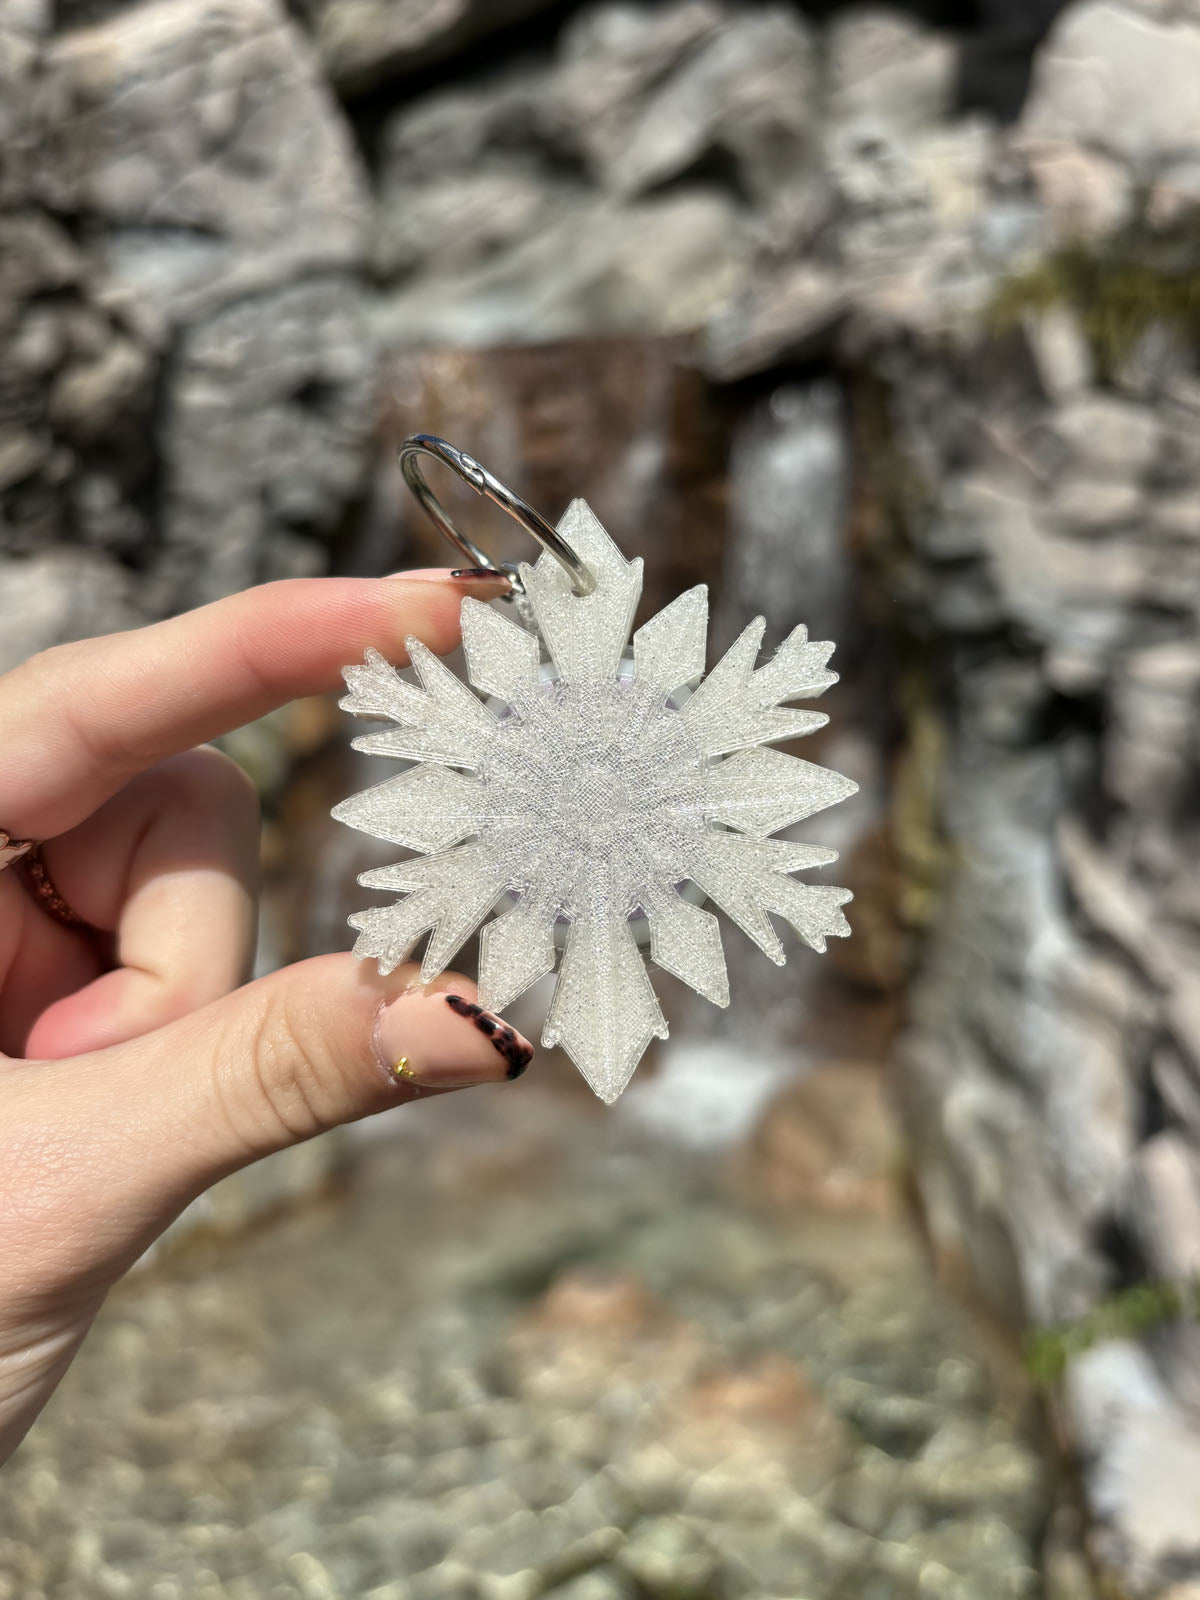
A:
<point x="1118" y="287"/>
<point x="1126" y="1315"/>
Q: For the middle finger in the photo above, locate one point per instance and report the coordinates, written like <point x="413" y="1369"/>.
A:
<point x="170" y="866"/>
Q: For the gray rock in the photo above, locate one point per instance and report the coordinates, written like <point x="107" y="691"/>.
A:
<point x="1060" y="968"/>
<point x="790" y="315"/>
<point x="1085" y="505"/>
<point x="1155" y="364"/>
<point x="601" y="1584"/>
<point x="1163" y="1207"/>
<point x="1179" y="1088"/>
<point x="263" y="439"/>
<point x="1053" y="585"/>
<point x="893" y="229"/>
<point x="1175" y="193"/>
<point x="361" y="42"/>
<point x="496" y="202"/>
<point x="1067" y="1134"/>
<point x="882" y="67"/>
<point x="455" y="132"/>
<point x="78" y="370"/>
<point x="24" y="27"/>
<point x="205" y="151"/>
<point x="461" y="222"/>
<point x="598" y="267"/>
<point x="1147" y="1467"/>
<point x="1118" y="909"/>
<point x="58" y="595"/>
<point x="1060" y="352"/>
<point x="1150" y="749"/>
<point x="513" y="210"/>
<point x="1090" y="84"/>
<point x="1175" y="517"/>
<point x="186" y="380"/>
<point x="747" y="93"/>
<point x="611" y="58"/>
<point x="465" y="176"/>
<point x="1084" y="193"/>
<point x="1107" y="437"/>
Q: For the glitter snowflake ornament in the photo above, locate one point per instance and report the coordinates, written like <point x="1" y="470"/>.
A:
<point x="591" y="799"/>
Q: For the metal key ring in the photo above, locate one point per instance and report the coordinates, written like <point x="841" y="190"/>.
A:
<point x="583" y="580"/>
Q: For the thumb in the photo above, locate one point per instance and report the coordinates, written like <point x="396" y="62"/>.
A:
<point x="315" y="1045"/>
<point x="131" y="1134"/>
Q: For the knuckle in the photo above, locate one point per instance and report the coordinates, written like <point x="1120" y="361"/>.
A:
<point x="53" y="675"/>
<point x="291" y="1096"/>
<point x="55" y="659"/>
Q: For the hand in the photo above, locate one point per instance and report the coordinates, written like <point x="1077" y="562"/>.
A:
<point x="135" y="1071"/>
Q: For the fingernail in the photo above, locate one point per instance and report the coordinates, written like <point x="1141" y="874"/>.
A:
<point x="478" y="575"/>
<point x="513" y="1047"/>
<point x="424" y="574"/>
<point x="418" y="1042"/>
<point x="454" y="575"/>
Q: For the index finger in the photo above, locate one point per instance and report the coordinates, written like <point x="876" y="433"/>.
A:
<point x="79" y="721"/>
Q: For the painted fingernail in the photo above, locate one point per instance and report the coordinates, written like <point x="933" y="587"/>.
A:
<point x="478" y="575"/>
<point x="417" y="1042"/>
<point x="506" y="1041"/>
<point x="453" y="575"/>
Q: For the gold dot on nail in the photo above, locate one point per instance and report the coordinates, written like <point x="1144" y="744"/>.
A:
<point x="402" y="1068"/>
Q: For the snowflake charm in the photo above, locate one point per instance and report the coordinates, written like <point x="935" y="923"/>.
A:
<point x="587" y="796"/>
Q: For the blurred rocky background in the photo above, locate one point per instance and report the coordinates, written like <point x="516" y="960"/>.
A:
<point x="883" y="320"/>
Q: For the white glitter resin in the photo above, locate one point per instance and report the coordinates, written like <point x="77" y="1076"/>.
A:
<point x="585" y="796"/>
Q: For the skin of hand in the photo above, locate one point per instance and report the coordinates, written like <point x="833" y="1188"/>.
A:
<point x="137" y="1066"/>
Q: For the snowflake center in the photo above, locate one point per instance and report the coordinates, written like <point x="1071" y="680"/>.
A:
<point x="587" y="775"/>
<point x="601" y="793"/>
<point x="601" y="806"/>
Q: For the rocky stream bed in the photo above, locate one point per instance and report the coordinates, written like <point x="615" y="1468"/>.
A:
<point x="531" y="1350"/>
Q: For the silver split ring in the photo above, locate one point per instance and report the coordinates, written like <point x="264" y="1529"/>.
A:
<point x="583" y="580"/>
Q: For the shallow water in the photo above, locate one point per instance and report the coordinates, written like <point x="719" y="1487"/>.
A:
<point x="528" y="1350"/>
